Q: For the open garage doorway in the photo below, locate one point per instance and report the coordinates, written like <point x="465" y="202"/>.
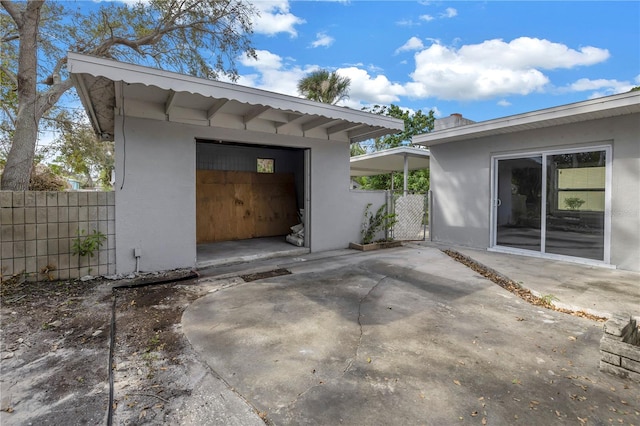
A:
<point x="247" y="199"/>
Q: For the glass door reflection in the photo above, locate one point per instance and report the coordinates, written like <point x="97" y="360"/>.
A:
<point x="519" y="203"/>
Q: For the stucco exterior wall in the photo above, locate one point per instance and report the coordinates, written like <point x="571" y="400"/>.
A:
<point x="156" y="205"/>
<point x="461" y="181"/>
<point x="155" y="188"/>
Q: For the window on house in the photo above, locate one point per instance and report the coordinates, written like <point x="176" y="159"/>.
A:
<point x="266" y="165"/>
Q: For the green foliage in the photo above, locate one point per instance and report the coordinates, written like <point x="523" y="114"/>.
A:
<point x="635" y="89"/>
<point x="357" y="149"/>
<point x="78" y="153"/>
<point x="418" y="181"/>
<point x="574" y="203"/>
<point x="88" y="244"/>
<point x="414" y="124"/>
<point x="374" y="223"/>
<point x="324" y="86"/>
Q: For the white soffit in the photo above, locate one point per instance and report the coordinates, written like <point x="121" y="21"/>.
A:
<point x="593" y="109"/>
<point x="389" y="160"/>
<point x="96" y="82"/>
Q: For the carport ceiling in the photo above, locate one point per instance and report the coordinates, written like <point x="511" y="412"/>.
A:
<point x="389" y="160"/>
<point x="108" y="88"/>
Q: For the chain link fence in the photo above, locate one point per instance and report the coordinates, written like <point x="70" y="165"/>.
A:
<point x="412" y="215"/>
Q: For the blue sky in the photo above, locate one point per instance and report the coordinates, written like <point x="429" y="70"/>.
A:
<point x="482" y="59"/>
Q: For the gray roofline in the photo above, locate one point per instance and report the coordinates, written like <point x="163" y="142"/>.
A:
<point x="130" y="73"/>
<point x="609" y="106"/>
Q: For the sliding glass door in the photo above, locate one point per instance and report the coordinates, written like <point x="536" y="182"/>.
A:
<point x="553" y="203"/>
<point x="519" y="203"/>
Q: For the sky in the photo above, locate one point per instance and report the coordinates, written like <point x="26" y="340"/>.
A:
<point x="482" y="59"/>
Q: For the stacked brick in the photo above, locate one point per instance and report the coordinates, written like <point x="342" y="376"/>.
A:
<point x="620" y="347"/>
<point x="37" y="231"/>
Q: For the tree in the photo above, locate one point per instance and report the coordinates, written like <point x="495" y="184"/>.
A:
<point x="198" y="37"/>
<point x="324" y="86"/>
<point x="414" y="124"/>
<point x="79" y="153"/>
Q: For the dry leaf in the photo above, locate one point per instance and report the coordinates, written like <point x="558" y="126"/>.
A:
<point x="475" y="413"/>
<point x="572" y="338"/>
<point x="369" y="360"/>
<point x="457" y="382"/>
<point x="583" y="421"/>
<point x="143" y="414"/>
<point x="484" y="420"/>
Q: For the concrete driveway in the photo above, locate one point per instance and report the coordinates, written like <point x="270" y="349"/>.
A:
<point x="403" y="336"/>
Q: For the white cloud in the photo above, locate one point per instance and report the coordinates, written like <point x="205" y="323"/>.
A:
<point x="272" y="73"/>
<point x="275" y="18"/>
<point x="436" y="112"/>
<point x="407" y="23"/>
<point x="493" y="68"/>
<point x="322" y="40"/>
<point x="414" y="43"/>
<point x="449" y="13"/>
<point x="504" y="103"/>
<point x="426" y="18"/>
<point x="600" y="87"/>
<point x="365" y="88"/>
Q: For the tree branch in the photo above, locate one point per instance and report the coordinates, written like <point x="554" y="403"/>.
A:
<point x="46" y="100"/>
<point x="10" y="38"/>
<point x="14" y="11"/>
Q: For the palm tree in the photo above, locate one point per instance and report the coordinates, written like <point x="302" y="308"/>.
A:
<point x="324" y="86"/>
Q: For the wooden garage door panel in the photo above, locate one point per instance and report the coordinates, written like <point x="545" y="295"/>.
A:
<point x="234" y="205"/>
<point x="275" y="207"/>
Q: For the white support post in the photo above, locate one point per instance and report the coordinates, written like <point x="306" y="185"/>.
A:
<point x="406" y="173"/>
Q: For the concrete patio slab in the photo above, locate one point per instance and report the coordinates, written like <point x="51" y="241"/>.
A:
<point x="596" y="290"/>
<point x="403" y="336"/>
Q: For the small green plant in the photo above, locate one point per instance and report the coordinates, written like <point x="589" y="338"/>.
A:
<point x="373" y="223"/>
<point x="574" y="203"/>
<point x="89" y="244"/>
<point x="548" y="299"/>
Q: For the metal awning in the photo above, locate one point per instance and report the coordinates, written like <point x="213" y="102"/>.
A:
<point x="400" y="159"/>
<point x="108" y="88"/>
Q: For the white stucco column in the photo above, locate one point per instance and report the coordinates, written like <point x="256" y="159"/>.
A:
<point x="406" y="173"/>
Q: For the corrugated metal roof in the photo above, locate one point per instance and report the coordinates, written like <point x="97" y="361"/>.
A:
<point x="105" y="85"/>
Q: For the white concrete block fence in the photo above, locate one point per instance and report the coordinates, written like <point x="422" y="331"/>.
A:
<point x="38" y="229"/>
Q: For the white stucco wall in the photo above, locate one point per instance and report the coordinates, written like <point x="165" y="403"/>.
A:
<point x="156" y="206"/>
<point x="461" y="181"/>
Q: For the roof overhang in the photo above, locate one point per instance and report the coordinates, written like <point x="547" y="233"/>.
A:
<point x="108" y="88"/>
<point x="594" y="109"/>
<point x="389" y="160"/>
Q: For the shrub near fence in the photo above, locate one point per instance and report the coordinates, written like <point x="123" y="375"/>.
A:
<point x="38" y="229"/>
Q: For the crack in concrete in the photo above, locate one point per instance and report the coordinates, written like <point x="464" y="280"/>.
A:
<point x="371" y="290"/>
<point x="362" y="299"/>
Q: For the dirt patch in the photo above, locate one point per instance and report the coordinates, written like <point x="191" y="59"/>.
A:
<point x="515" y="288"/>
<point x="55" y="340"/>
<point x="267" y="274"/>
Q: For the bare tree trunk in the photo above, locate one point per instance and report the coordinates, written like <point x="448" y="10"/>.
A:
<point x="17" y="170"/>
